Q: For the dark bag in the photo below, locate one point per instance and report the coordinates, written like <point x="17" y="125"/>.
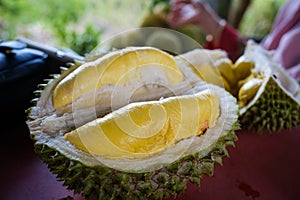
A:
<point x="23" y="65"/>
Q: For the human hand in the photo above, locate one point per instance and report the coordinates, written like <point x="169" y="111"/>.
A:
<point x="197" y="12"/>
<point x="185" y="12"/>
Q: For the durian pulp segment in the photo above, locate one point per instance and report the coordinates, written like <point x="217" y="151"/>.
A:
<point x="141" y="129"/>
<point x="242" y="68"/>
<point x="219" y="70"/>
<point x="116" y="68"/>
<point x="243" y="83"/>
<point x="271" y="74"/>
<point x="249" y="90"/>
<point x="200" y="62"/>
<point x="216" y="68"/>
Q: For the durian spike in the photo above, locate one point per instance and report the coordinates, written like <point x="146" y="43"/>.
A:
<point x="63" y="68"/>
<point x="42" y="86"/>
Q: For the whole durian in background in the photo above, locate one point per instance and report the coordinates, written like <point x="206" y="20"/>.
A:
<point x="134" y="123"/>
<point x="268" y="97"/>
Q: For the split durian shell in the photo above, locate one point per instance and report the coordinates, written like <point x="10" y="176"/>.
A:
<point x="276" y="104"/>
<point x="155" y="176"/>
<point x="268" y="97"/>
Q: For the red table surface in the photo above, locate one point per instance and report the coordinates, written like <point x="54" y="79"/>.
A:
<point x="259" y="167"/>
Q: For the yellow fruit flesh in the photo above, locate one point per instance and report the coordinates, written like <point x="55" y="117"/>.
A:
<point x="219" y="73"/>
<point x="208" y="73"/>
<point x="225" y="68"/>
<point x="242" y="68"/>
<point x="237" y="78"/>
<point x="116" y="68"/>
<point x="248" y="91"/>
<point x="141" y="129"/>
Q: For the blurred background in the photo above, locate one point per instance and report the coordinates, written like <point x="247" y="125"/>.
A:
<point x="81" y="25"/>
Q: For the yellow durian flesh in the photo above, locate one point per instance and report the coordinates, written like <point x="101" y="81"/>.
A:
<point x="249" y="90"/>
<point x="207" y="73"/>
<point x="213" y="67"/>
<point x="225" y="68"/>
<point x="116" y="68"/>
<point x="201" y="62"/>
<point x="242" y="68"/>
<point x="222" y="72"/>
<point x="167" y="121"/>
<point x="234" y="74"/>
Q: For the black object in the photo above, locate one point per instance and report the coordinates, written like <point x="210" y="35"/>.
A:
<point x="17" y="61"/>
<point x="23" y="65"/>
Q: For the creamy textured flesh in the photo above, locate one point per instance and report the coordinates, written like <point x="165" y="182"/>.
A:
<point x="141" y="129"/>
<point x="224" y="73"/>
<point x="116" y="68"/>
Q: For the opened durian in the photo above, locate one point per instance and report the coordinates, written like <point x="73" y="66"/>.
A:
<point x="268" y="98"/>
<point x="135" y="123"/>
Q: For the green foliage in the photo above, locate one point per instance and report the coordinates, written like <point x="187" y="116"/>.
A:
<point x="259" y="17"/>
<point x="56" y="15"/>
<point x="61" y="15"/>
<point x="12" y="13"/>
<point x="82" y="43"/>
<point x="61" y="20"/>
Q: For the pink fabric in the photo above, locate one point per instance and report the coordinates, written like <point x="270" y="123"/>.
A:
<point x="285" y="20"/>
<point x="285" y="38"/>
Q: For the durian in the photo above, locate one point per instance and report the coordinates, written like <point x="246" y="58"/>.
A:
<point x="152" y="125"/>
<point x="268" y="97"/>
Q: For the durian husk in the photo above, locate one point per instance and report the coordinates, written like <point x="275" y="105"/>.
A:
<point x="276" y="105"/>
<point x="227" y="118"/>
<point x="155" y="177"/>
<point x="273" y="106"/>
<point x="107" y="183"/>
